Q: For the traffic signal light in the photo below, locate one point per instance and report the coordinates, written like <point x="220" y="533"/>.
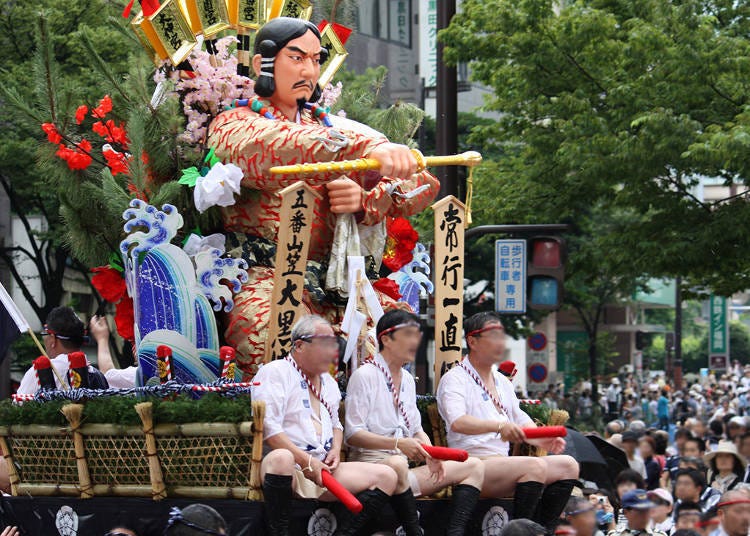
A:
<point x="642" y="339"/>
<point x="546" y="272"/>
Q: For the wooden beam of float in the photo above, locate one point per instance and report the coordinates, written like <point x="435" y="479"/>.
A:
<point x="293" y="244"/>
<point x="450" y="218"/>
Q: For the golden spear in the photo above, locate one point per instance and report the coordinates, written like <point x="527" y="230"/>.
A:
<point x="469" y="158"/>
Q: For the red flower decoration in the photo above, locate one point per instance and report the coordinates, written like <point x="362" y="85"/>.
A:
<point x="78" y="158"/>
<point x="109" y="283"/>
<point x="400" y="243"/>
<point x="125" y="319"/>
<point x="100" y="128"/>
<point x="388" y="287"/>
<point x="52" y="134"/>
<point x="81" y="112"/>
<point x="117" y="162"/>
<point x="112" y="132"/>
<point x="105" y="106"/>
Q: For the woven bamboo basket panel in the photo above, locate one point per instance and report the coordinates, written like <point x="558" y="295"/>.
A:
<point x="117" y="460"/>
<point x="44" y="459"/>
<point x="206" y="455"/>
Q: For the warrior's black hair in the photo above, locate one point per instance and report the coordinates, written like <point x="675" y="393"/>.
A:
<point x="269" y="41"/>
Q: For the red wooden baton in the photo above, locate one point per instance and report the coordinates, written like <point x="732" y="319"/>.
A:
<point x="445" y="453"/>
<point x="545" y="431"/>
<point x="340" y="492"/>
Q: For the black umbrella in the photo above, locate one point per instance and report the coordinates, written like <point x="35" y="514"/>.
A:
<point x="593" y="465"/>
<point x="615" y="457"/>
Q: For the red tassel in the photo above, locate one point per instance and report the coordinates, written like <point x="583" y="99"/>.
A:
<point x="342" y="32"/>
<point x="149" y="7"/>
<point x="126" y="11"/>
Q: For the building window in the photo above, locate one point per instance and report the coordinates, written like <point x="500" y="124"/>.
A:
<point x="389" y="20"/>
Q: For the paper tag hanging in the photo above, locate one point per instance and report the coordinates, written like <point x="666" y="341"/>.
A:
<point x="296" y="9"/>
<point x="336" y="55"/>
<point x="146" y="34"/>
<point x="208" y="16"/>
<point x="247" y="13"/>
<point x="173" y="31"/>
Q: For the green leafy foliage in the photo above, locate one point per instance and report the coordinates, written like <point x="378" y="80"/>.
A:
<point x="610" y="111"/>
<point x="620" y="104"/>
<point x="119" y="410"/>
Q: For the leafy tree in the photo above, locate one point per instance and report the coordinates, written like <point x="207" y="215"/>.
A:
<point x="48" y="68"/>
<point x="626" y="102"/>
<point x="611" y="110"/>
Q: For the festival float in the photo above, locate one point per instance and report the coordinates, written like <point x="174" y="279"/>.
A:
<point x="215" y="256"/>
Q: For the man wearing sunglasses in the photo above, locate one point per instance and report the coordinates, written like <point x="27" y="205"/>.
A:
<point x="482" y="416"/>
<point x="383" y="425"/>
<point x="303" y="432"/>
<point x="63" y="333"/>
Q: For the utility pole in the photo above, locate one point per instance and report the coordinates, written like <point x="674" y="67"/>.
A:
<point x="447" y="114"/>
<point x="677" y="368"/>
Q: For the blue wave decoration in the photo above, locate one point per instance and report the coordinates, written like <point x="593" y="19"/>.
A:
<point x="414" y="277"/>
<point x="174" y="299"/>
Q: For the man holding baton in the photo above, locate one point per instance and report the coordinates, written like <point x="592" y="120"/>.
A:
<point x="383" y="425"/>
<point x="303" y="431"/>
<point x="483" y="417"/>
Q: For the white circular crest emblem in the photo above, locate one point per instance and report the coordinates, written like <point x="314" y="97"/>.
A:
<point x="322" y="523"/>
<point x="494" y="520"/>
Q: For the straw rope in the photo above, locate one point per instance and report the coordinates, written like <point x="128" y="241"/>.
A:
<point x="74" y="412"/>
<point x="145" y="411"/>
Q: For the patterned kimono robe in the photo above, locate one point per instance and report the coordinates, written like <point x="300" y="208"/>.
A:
<point x="255" y="144"/>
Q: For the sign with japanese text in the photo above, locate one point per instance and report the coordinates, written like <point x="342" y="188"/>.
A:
<point x="510" y="276"/>
<point x="293" y="243"/>
<point x="450" y="217"/>
<point x="172" y="30"/>
<point x="718" y="333"/>
<point x="428" y="42"/>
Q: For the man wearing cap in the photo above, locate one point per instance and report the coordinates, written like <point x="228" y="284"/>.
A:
<point x="581" y="514"/>
<point x="63" y="333"/>
<point x="383" y="425"/>
<point x="661" y="513"/>
<point x="482" y="416"/>
<point x="637" y="508"/>
<point x="736" y="427"/>
<point x="734" y="513"/>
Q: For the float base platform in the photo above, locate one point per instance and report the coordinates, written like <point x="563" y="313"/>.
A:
<point x="53" y="516"/>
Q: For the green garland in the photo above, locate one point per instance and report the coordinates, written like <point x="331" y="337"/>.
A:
<point x="179" y="410"/>
<point x="119" y="410"/>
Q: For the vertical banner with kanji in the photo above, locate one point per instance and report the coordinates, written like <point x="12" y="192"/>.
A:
<point x="450" y="216"/>
<point x="293" y="243"/>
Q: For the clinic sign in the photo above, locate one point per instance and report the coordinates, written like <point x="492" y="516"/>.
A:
<point x="718" y="334"/>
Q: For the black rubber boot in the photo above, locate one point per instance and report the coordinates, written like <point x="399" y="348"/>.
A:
<point x="405" y="506"/>
<point x="277" y="502"/>
<point x="552" y="503"/>
<point x="526" y="499"/>
<point x="464" y="501"/>
<point x="373" y="501"/>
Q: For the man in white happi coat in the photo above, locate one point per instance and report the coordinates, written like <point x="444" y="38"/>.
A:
<point x="303" y="432"/>
<point x="383" y="425"/>
<point x="483" y="417"/>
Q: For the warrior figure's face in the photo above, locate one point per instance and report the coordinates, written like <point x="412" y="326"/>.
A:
<point x="297" y="70"/>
